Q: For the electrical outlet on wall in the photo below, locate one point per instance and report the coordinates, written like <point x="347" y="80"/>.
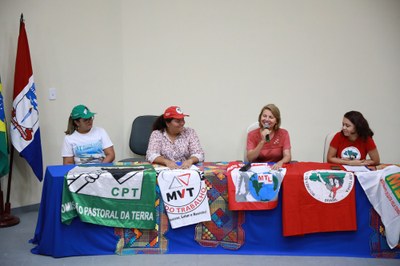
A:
<point x="52" y="94"/>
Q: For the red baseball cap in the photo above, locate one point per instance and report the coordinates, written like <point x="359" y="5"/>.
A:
<point x="174" y="112"/>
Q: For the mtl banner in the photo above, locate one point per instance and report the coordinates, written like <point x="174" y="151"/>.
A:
<point x="256" y="188"/>
<point x="110" y="196"/>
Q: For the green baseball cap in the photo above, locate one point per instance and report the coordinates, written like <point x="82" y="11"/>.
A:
<point x="81" y="111"/>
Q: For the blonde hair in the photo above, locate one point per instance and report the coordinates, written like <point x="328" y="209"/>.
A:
<point x="71" y="127"/>
<point x="275" y="112"/>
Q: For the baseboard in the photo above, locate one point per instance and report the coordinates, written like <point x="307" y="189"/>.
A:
<point x="25" y="209"/>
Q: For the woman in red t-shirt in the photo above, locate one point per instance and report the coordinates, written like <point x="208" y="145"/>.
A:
<point x="269" y="142"/>
<point x="352" y="145"/>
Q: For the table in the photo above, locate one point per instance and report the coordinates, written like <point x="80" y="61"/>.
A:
<point x="263" y="231"/>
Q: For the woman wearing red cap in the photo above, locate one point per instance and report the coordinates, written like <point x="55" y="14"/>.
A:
<point x="85" y="143"/>
<point x="171" y="142"/>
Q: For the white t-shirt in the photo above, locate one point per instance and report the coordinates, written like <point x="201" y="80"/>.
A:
<point x="86" y="148"/>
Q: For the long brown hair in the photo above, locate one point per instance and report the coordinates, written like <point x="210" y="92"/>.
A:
<point x="71" y="127"/>
<point x="362" y="127"/>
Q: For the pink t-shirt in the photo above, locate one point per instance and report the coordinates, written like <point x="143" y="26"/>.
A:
<point x="272" y="151"/>
<point x="357" y="149"/>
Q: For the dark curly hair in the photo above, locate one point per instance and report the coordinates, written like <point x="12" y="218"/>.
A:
<point x="161" y="123"/>
<point x="362" y="127"/>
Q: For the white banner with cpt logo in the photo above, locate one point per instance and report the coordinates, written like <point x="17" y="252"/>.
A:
<point x="185" y="197"/>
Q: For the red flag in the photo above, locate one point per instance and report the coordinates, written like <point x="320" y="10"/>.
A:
<point x="24" y="130"/>
<point x="316" y="202"/>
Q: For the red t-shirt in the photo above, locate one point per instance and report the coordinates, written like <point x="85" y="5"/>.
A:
<point x="272" y="151"/>
<point x="357" y="149"/>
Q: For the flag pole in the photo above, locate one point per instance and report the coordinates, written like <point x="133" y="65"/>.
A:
<point x="6" y="218"/>
<point x="28" y="140"/>
<point x="12" y="220"/>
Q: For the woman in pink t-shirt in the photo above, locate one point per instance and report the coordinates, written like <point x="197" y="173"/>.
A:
<point x="352" y="145"/>
<point x="269" y="142"/>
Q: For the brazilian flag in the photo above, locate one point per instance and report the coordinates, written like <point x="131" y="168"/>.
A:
<point x="4" y="165"/>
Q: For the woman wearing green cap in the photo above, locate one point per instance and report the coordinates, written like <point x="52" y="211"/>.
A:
<point x="85" y="143"/>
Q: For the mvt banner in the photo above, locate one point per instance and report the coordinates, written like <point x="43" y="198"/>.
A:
<point x="185" y="196"/>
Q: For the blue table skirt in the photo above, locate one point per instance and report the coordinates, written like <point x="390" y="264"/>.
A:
<point x="263" y="232"/>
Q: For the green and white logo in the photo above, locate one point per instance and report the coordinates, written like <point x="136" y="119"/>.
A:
<point x="328" y="186"/>
<point x="112" y="196"/>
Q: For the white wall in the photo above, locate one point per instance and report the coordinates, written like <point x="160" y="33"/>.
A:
<point x="76" y="48"/>
<point x="221" y="61"/>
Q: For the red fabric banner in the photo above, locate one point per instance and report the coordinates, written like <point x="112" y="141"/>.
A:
<point x="304" y="213"/>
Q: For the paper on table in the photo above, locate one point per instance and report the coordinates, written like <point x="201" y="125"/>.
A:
<point x="352" y="168"/>
<point x="160" y="168"/>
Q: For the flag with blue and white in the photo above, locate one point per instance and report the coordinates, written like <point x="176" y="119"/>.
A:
<point x="24" y="127"/>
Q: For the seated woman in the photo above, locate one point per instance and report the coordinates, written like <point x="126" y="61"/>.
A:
<point x="269" y="142"/>
<point x="85" y="143"/>
<point x="352" y="145"/>
<point x="171" y="142"/>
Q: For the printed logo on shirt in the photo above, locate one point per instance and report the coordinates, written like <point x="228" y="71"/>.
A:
<point x="89" y="153"/>
<point x="328" y="186"/>
<point x="351" y="153"/>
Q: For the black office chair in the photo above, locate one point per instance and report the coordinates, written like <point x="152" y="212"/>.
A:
<point x="141" y="130"/>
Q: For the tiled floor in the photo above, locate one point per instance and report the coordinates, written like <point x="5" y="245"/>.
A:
<point x="15" y="250"/>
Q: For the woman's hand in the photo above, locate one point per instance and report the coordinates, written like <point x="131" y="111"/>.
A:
<point x="171" y="164"/>
<point x="357" y="162"/>
<point x="277" y="166"/>
<point x="265" y="132"/>
<point x="68" y="160"/>
<point x="110" y="155"/>
<point x="287" y="156"/>
<point x="189" y="162"/>
<point x="186" y="164"/>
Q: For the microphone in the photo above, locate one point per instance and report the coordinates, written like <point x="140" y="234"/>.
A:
<point x="266" y="126"/>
